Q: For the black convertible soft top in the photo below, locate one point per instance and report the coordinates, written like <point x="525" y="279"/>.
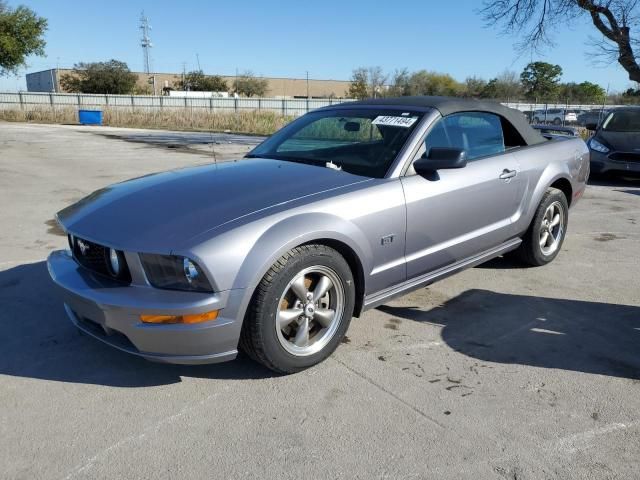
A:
<point x="449" y="105"/>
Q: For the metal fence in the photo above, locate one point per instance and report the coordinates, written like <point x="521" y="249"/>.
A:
<point x="525" y="106"/>
<point x="284" y="106"/>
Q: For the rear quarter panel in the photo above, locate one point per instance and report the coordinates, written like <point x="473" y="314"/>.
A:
<point x="543" y="164"/>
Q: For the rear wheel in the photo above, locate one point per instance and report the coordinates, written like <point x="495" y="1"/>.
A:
<point x="557" y="121"/>
<point x="301" y="309"/>
<point x="543" y="240"/>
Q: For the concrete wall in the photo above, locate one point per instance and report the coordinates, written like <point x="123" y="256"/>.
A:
<point x="277" y="87"/>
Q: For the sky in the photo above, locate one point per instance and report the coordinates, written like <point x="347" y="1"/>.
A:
<point x="288" y="38"/>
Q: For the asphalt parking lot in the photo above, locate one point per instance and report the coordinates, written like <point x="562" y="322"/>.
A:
<point x="497" y="373"/>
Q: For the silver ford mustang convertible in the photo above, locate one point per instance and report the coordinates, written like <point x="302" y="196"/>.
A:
<point x="338" y="212"/>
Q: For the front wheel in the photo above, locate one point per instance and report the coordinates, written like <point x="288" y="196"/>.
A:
<point x="543" y="240"/>
<point x="301" y="309"/>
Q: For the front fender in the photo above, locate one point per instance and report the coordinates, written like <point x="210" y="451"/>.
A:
<point x="238" y="259"/>
<point x="297" y="230"/>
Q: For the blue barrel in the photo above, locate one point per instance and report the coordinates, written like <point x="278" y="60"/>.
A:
<point x="90" y="117"/>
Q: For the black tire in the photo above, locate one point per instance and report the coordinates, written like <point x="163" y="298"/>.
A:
<point x="259" y="337"/>
<point x="557" y="121"/>
<point x="530" y="252"/>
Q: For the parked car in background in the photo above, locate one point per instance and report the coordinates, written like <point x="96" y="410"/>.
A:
<point x="556" y="116"/>
<point x="554" y="131"/>
<point x="592" y="116"/>
<point x="615" y="145"/>
<point x="342" y="210"/>
<point x="529" y="114"/>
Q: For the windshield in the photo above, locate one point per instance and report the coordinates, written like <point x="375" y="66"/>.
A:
<point x="359" y="141"/>
<point x="622" y="121"/>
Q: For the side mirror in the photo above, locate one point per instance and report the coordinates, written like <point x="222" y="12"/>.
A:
<point x="591" y="126"/>
<point x="440" y="158"/>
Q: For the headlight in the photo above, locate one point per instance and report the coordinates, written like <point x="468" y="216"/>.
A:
<point x="597" y="146"/>
<point x="172" y="272"/>
<point x="191" y="271"/>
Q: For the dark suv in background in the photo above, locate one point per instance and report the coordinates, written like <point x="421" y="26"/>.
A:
<point x="592" y="116"/>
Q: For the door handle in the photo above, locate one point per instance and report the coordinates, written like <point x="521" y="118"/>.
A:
<point x="507" y="174"/>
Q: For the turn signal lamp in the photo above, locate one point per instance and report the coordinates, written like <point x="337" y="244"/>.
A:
<point x="187" y="319"/>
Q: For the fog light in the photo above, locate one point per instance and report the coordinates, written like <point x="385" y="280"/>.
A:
<point x="187" y="319"/>
<point x="114" y="262"/>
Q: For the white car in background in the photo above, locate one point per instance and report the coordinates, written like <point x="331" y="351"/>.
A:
<point x="556" y="116"/>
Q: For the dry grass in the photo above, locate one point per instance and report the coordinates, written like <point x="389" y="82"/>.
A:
<point x="251" y="122"/>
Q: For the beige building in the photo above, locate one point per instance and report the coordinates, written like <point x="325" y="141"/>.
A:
<point x="49" y="81"/>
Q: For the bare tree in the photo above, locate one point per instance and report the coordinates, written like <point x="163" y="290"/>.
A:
<point x="367" y="82"/>
<point x="400" y="83"/>
<point x="377" y="79"/>
<point x="534" y="20"/>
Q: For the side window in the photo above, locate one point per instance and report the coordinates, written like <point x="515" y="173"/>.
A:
<point x="479" y="133"/>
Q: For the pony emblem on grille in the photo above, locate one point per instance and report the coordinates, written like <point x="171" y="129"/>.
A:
<point x="83" y="247"/>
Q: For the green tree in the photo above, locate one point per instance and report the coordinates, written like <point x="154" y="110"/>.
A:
<point x="112" y="77"/>
<point x="249" y="85"/>
<point x="585" y="92"/>
<point x="532" y="21"/>
<point x="540" y="80"/>
<point x="474" y="87"/>
<point x="359" y="87"/>
<point x="505" y="86"/>
<point x="432" y="83"/>
<point x="630" y="92"/>
<point x="197" y="81"/>
<point x="21" y="35"/>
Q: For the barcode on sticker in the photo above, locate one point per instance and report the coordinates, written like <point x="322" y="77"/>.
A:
<point x="392" y="121"/>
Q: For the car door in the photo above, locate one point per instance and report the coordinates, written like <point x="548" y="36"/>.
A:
<point x="459" y="213"/>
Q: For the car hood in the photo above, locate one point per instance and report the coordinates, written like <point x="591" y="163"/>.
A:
<point x="158" y="212"/>
<point x="620" y="141"/>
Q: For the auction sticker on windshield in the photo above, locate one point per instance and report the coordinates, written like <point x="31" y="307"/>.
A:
<point x="392" y="121"/>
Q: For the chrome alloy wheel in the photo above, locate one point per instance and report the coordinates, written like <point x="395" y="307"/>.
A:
<point x="552" y="228"/>
<point x="310" y="310"/>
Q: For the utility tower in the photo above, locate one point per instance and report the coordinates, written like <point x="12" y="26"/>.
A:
<point x="145" y="42"/>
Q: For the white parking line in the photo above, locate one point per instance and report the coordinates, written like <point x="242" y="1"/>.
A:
<point x="584" y="440"/>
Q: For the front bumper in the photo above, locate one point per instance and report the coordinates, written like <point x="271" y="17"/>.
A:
<point x="109" y="312"/>
<point x="601" y="164"/>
